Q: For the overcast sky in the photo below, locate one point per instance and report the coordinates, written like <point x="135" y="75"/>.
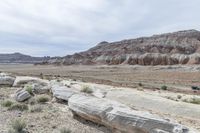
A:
<point x="61" y="27"/>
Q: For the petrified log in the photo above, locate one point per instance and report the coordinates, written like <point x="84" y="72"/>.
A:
<point x="120" y="117"/>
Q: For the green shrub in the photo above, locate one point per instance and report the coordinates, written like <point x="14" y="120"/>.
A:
<point x="195" y="88"/>
<point x="18" y="126"/>
<point x="164" y="87"/>
<point x="86" y="89"/>
<point x="18" y="106"/>
<point x="29" y="88"/>
<point x="41" y="76"/>
<point x="36" y="108"/>
<point x="6" y="103"/>
<point x="140" y="84"/>
<point x="43" y="98"/>
<point x="179" y="96"/>
<point x="65" y="130"/>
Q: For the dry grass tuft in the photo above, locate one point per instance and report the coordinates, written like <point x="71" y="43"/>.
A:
<point x="42" y="98"/>
<point x="86" y="89"/>
<point x="7" y="103"/>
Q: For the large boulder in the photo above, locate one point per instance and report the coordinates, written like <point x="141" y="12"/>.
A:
<point x="6" y="80"/>
<point x="120" y="117"/>
<point x="62" y="92"/>
<point x="37" y="88"/>
<point x="22" y="80"/>
<point x="22" y="95"/>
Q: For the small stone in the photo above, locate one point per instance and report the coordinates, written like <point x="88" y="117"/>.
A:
<point x="54" y="126"/>
<point x="22" y="95"/>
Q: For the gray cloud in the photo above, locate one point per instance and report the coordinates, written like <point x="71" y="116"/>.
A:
<point x="60" y="27"/>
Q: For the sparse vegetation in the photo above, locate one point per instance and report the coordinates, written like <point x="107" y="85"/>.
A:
<point x="65" y="130"/>
<point x="43" y="98"/>
<point x="7" y="103"/>
<point x="41" y="76"/>
<point x="32" y="101"/>
<point x="195" y="100"/>
<point x="58" y="80"/>
<point x="164" y="87"/>
<point x="17" y="126"/>
<point x="36" y="108"/>
<point x="18" y="106"/>
<point x="48" y="112"/>
<point x="140" y="84"/>
<point x="179" y="96"/>
<point x="86" y="89"/>
<point x="29" y="88"/>
<point x="195" y="88"/>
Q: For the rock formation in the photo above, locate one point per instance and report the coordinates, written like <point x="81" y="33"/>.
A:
<point x="62" y="92"/>
<point x="181" y="47"/>
<point x="6" y="80"/>
<point x="119" y="117"/>
<point x="22" y="95"/>
<point x="23" y="80"/>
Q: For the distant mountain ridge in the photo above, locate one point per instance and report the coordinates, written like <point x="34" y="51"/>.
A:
<point x="182" y="47"/>
<point x="21" y="58"/>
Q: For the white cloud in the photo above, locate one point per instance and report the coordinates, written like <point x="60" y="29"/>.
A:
<point x="49" y="26"/>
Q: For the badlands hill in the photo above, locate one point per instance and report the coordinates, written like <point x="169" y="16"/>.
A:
<point x="182" y="47"/>
<point x="21" y="58"/>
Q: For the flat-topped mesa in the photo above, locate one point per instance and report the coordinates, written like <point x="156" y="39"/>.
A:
<point x="181" y="47"/>
<point x="21" y="58"/>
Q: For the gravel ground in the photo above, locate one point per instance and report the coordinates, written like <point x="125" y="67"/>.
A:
<point x="53" y="117"/>
<point x="177" y="78"/>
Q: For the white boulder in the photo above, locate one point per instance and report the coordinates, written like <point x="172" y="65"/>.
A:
<point x="6" y="80"/>
<point x="62" y="92"/>
<point x="120" y="117"/>
<point x="22" y="95"/>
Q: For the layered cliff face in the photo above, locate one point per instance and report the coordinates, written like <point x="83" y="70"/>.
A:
<point x="181" y="47"/>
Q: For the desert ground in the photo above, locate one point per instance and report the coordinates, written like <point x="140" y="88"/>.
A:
<point x="51" y="118"/>
<point x="139" y="87"/>
<point x="176" y="78"/>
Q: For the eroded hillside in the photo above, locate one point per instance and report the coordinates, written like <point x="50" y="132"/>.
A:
<point x="181" y="47"/>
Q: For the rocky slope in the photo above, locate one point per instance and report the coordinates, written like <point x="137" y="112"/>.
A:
<point x="181" y="47"/>
<point x="21" y="58"/>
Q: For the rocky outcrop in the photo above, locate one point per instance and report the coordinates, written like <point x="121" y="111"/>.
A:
<point x="62" y="92"/>
<point x="181" y="47"/>
<point x="38" y="88"/>
<point x="22" y="95"/>
<point x="22" y="80"/>
<point x="6" y="80"/>
<point x="119" y="117"/>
